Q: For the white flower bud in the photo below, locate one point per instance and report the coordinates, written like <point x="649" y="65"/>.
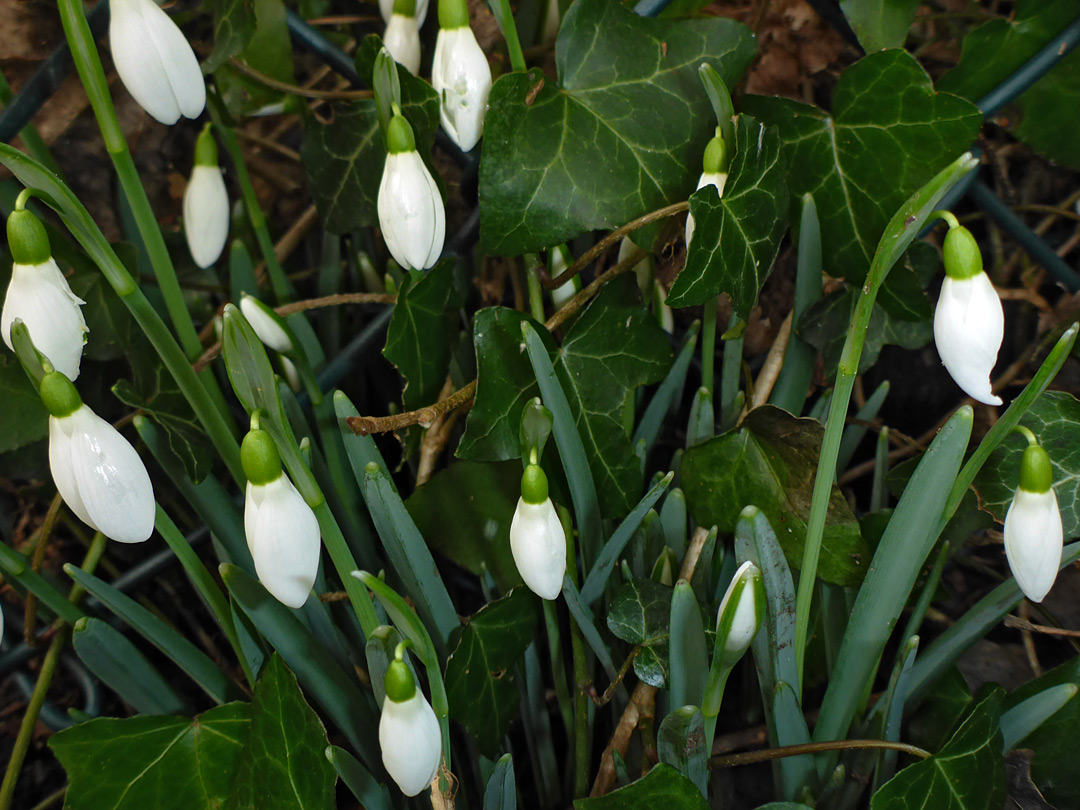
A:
<point x="538" y="544"/>
<point x="1033" y="541"/>
<point x="411" y="742"/>
<point x="968" y="328"/>
<point x="745" y="624"/>
<point x="461" y="76"/>
<point x="411" y="212"/>
<point x="284" y="539"/>
<point x="155" y="61"/>
<point x="718" y="179"/>
<point x="206" y="215"/>
<point x="402" y="40"/>
<point x="267" y="324"/>
<point x="41" y="298"/>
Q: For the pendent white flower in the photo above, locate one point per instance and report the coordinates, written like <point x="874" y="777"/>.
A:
<point x="714" y="173"/>
<point x="206" y="204"/>
<point x="411" y="212"/>
<point x="268" y="326"/>
<point x="409" y="733"/>
<point x="968" y="322"/>
<point x="537" y="539"/>
<point x="402" y="37"/>
<point x="460" y="75"/>
<point x="155" y="61"/>
<point x="96" y="470"/>
<point x="40" y="297"/>
<point x="1033" y="530"/>
<point x="386" y="9"/>
<point x="282" y="531"/>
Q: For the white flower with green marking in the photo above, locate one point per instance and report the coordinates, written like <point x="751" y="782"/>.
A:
<point x="411" y="212"/>
<point x="537" y="539"/>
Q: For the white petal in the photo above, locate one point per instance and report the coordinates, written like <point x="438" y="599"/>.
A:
<point x="63" y="470"/>
<point x="284" y="541"/>
<point x="461" y="76"/>
<point x="39" y="295"/>
<point x="111" y="478"/>
<point x="968" y="328"/>
<point x="744" y="626"/>
<point x="253" y="498"/>
<point x="155" y="61"/>
<point x="206" y="215"/>
<point x="411" y="743"/>
<point x="1033" y="541"/>
<point x="538" y="544"/>
<point x="266" y="328"/>
<point x="402" y="40"/>
<point x="718" y="179"/>
<point x="411" y="212"/>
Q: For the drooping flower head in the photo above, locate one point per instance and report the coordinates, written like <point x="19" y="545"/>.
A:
<point x="155" y="61"/>
<point x="714" y="167"/>
<point x="402" y="37"/>
<point x="409" y="733"/>
<point x="968" y="322"/>
<point x="97" y="472"/>
<point x="1033" y="530"/>
<point x="206" y="204"/>
<point x="460" y="75"/>
<point x="40" y="297"/>
<point x="741" y="599"/>
<point x="537" y="539"/>
<point x="268" y="326"/>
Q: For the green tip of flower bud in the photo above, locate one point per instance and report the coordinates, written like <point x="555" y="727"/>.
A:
<point x="206" y="153"/>
<point x="59" y="395"/>
<point x="453" y="14"/>
<point x="716" y="156"/>
<point x="961" y="254"/>
<point x="27" y="240"/>
<point x="259" y="457"/>
<point x="399" y="136"/>
<point x="1036" y="472"/>
<point x="406" y="8"/>
<point x="534" y="485"/>
<point x="400" y="684"/>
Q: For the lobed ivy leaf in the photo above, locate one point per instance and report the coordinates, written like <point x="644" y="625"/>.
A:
<point x="267" y="49"/>
<point x="24" y="419"/>
<point x="770" y="462"/>
<point x="880" y="23"/>
<point x="663" y="786"/>
<point x="559" y="161"/>
<point x="168" y="763"/>
<point x="1055" y="419"/>
<point x="639" y="615"/>
<point x="480" y="678"/>
<point x="737" y="236"/>
<point x="234" y="25"/>
<point x="888" y="134"/>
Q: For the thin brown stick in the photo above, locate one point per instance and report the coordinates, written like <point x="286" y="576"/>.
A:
<point x="1028" y="639"/>
<point x="267" y="143"/>
<point x="750" y="757"/>
<point x="45" y="533"/>
<point x="431" y="446"/>
<point x="290" y="241"/>
<point x="345" y="19"/>
<point x="294" y="90"/>
<point x="1026" y="626"/>
<point x="774" y="361"/>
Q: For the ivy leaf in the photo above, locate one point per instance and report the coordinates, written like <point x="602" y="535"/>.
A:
<point x="1049" y="111"/>
<point x="422" y="330"/>
<point x="343" y="159"/>
<point x="24" y="419"/>
<point x="168" y="763"/>
<point x="663" y="786"/>
<point x="639" y="615"/>
<point x="283" y="765"/>
<point x="888" y="134"/>
<point x="967" y="774"/>
<point x="1055" y="419"/>
<point x="770" y="461"/>
<point x="479" y="673"/>
<point x="736" y="236"/>
<point x="268" y="50"/>
<point x="559" y="161"/>
<point x="880" y="23"/>
<point x="234" y="25"/>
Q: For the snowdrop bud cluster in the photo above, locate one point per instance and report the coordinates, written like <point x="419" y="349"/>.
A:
<point x="40" y="297"/>
<point x="409" y="732"/>
<point x="747" y="611"/>
<point x="411" y="212"/>
<point x="268" y="326"/>
<point x="97" y="472"/>
<point x="155" y="61"/>
<point x="968" y="322"/>
<point x="402" y="37"/>
<point x="714" y="173"/>
<point x="206" y="204"/>
<point x="460" y="75"/>
<point x="1033" y="530"/>
<point x="537" y="539"/>
<point x="282" y="532"/>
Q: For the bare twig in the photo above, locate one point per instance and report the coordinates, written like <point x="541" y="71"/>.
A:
<point x="774" y="361"/>
<point x="294" y="90"/>
<point x="750" y="757"/>
<point x="1026" y="626"/>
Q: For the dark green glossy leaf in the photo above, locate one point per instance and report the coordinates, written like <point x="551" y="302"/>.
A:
<point x="559" y="161"/>
<point x="770" y="462"/>
<point x="880" y="23"/>
<point x="1055" y="419"/>
<point x="888" y="134"/>
<point x="967" y="774"/>
<point x="168" y="763"/>
<point x="639" y="615"/>
<point x="234" y="25"/>
<point x="23" y="419"/>
<point x="343" y="159"/>
<point x="680" y="743"/>
<point x="480" y="682"/>
<point x="283" y="765"/>
<point x="663" y="786"/>
<point x="464" y="512"/>
<point x="267" y="50"/>
<point x="113" y="332"/>
<point x="421" y="334"/>
<point x="736" y="236"/>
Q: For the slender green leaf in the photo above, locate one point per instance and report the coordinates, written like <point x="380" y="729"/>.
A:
<point x="680" y="743"/>
<point x="584" y="617"/>
<point x="359" y="780"/>
<point x="501" y="791"/>
<point x="1026" y="716"/>
<point x="687" y="651"/>
<point x="667" y="393"/>
<point x="17" y="567"/>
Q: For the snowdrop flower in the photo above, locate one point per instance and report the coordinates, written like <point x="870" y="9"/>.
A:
<point x="409" y="732"/>
<point x="206" y="204"/>
<point x="460" y="75"/>
<point x="1033" y="531"/>
<point x="40" y="297"/>
<point x="402" y="37"/>
<point x="155" y="61"/>
<point x="537" y="540"/>
<point x="268" y="326"/>
<point x="411" y="212"/>
<point x="386" y="8"/>
<point x="97" y="472"/>
<point x="746" y="616"/>
<point x="968" y="321"/>
<point x="714" y="173"/>
<point x="557" y="264"/>
<point x="281" y="529"/>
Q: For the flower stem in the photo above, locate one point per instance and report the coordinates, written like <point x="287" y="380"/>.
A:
<point x="504" y="15"/>
<point x="558" y="668"/>
<point x="708" y="345"/>
<point x="1027" y="434"/>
